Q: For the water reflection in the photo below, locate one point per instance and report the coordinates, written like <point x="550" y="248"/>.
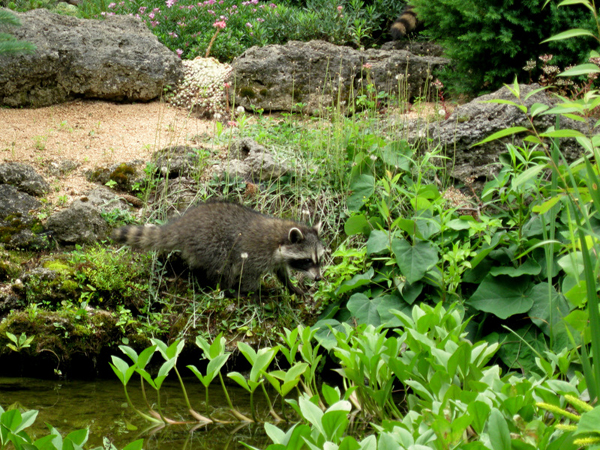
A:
<point x="100" y="406"/>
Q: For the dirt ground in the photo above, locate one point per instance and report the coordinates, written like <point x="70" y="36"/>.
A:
<point x="92" y="134"/>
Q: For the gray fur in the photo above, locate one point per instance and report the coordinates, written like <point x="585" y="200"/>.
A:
<point x="233" y="246"/>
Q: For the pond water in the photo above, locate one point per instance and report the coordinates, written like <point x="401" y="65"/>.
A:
<point x="101" y="406"/>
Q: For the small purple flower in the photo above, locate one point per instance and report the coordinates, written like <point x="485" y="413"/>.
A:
<point x="151" y="15"/>
<point x="179" y="52"/>
<point x="111" y="5"/>
<point x="156" y="10"/>
<point x="210" y="11"/>
<point x="248" y="24"/>
<point x="142" y="9"/>
<point x="154" y="23"/>
<point x="260" y="20"/>
<point x="170" y="3"/>
<point x="272" y="5"/>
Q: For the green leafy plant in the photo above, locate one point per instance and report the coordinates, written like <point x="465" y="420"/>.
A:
<point x="20" y="342"/>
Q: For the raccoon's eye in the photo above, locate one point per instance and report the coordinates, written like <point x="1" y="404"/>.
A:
<point x="302" y="264"/>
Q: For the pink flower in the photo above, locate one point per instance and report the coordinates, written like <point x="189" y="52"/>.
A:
<point x="220" y="24"/>
<point x="143" y="9"/>
<point x="179" y="52"/>
<point x="112" y="5"/>
<point x="226" y="85"/>
<point x="173" y="34"/>
<point x="170" y="3"/>
<point x="260" y="20"/>
<point x="154" y="23"/>
<point x="248" y="24"/>
<point x="232" y="123"/>
<point x="210" y="11"/>
<point x="156" y="10"/>
<point x="339" y="8"/>
<point x="151" y="15"/>
<point x="272" y="5"/>
<point x="367" y="66"/>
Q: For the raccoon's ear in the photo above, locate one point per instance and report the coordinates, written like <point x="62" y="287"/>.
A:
<point x="317" y="227"/>
<point x="295" y="235"/>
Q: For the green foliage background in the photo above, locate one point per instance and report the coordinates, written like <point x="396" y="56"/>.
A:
<point x="490" y="42"/>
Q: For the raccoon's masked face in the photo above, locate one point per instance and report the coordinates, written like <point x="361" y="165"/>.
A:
<point x="305" y="252"/>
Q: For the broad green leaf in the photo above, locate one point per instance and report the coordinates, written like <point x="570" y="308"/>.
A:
<point x="357" y="224"/>
<point x="502" y="296"/>
<point x="462" y="223"/>
<point x="364" y="309"/>
<point x="503" y="133"/>
<point x="529" y="267"/>
<point x="145" y="357"/>
<point x="27" y="419"/>
<point x="414" y="260"/>
<point x="331" y="395"/>
<point x="498" y="431"/>
<point x="312" y="413"/>
<point x="355" y="281"/>
<point x="275" y="434"/>
<point x="362" y="188"/>
<point x="79" y="437"/>
<point x="479" y="411"/>
<point x="239" y="379"/>
<point x="389" y="302"/>
<point x="408" y="225"/>
<point x="248" y="352"/>
<point x="334" y="424"/>
<point x="546" y="313"/>
<point x="135" y="445"/>
<point x="129" y="352"/>
<point x="397" y="154"/>
<point x="378" y="242"/>
<point x="589" y="422"/>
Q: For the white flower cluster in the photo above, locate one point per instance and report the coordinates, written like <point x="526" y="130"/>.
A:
<point x="203" y="87"/>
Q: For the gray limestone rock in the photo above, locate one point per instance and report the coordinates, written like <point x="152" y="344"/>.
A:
<point x="24" y="178"/>
<point x="114" y="59"/>
<point x="321" y="75"/>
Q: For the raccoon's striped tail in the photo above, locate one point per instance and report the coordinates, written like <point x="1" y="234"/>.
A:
<point x="405" y="23"/>
<point x="144" y="238"/>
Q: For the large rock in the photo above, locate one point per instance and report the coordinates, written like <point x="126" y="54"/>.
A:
<point x="19" y="224"/>
<point x="24" y="178"/>
<point x="114" y="59"/>
<point x="474" y="121"/>
<point x="320" y="75"/>
<point x="81" y="223"/>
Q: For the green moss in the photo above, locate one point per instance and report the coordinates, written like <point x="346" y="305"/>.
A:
<point x="58" y="266"/>
<point x="247" y="92"/>
<point x="69" y="287"/>
<point x="264" y="92"/>
<point x="122" y="175"/>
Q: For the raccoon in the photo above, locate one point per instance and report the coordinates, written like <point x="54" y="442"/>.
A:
<point x="405" y="23"/>
<point x="233" y="246"/>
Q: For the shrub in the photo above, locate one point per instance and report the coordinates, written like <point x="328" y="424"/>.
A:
<point x="491" y="41"/>
<point x="189" y="26"/>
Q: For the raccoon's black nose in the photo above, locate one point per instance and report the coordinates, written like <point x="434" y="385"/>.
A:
<point x="318" y="278"/>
